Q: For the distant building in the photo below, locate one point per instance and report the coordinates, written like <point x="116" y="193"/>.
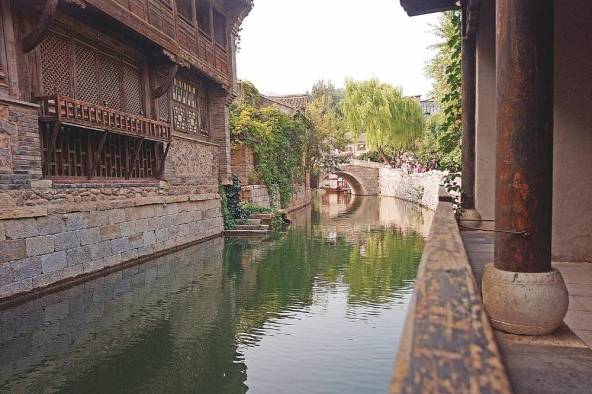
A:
<point x="429" y="107"/>
<point x="288" y="104"/>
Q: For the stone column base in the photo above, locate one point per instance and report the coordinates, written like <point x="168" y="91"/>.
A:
<point x="524" y="303"/>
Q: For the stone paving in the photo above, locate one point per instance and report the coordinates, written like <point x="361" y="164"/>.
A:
<point x="559" y="363"/>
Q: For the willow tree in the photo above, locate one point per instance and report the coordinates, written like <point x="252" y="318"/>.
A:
<point x="390" y="121"/>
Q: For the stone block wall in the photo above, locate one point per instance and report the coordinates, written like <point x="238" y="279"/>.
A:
<point x="418" y="188"/>
<point x="52" y="232"/>
<point x="39" y="251"/>
<point x="243" y="165"/>
<point x="256" y="194"/>
<point x="20" y="155"/>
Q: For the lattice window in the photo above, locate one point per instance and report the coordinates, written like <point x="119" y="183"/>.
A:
<point x="179" y="118"/>
<point x="184" y="10"/>
<point x="56" y="65"/>
<point x="75" y="153"/>
<point x="219" y="28"/>
<point x="132" y="89"/>
<point x="185" y="114"/>
<point x="204" y="21"/>
<point x="163" y="103"/>
<point x="86" y="73"/>
<point x="110" y="81"/>
<point x="204" y="113"/>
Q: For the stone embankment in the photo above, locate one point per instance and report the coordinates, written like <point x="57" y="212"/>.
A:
<point x="421" y="189"/>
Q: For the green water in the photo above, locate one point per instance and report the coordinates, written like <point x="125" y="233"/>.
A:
<point x="317" y="308"/>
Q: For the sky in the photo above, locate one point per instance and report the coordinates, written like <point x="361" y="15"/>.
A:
<point x="287" y="45"/>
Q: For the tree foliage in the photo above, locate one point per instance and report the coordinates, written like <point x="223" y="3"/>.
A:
<point x="278" y="142"/>
<point x="443" y="135"/>
<point x="390" y="121"/>
<point x="326" y="132"/>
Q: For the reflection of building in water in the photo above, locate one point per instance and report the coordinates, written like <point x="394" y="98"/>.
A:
<point x="355" y="213"/>
<point x="174" y="305"/>
<point x="335" y="182"/>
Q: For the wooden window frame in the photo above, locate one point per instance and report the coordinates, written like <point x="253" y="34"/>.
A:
<point x="209" y="32"/>
<point x="191" y="9"/>
<point x="217" y="13"/>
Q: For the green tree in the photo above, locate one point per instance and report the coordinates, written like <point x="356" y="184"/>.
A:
<point x="391" y="122"/>
<point x="326" y="132"/>
<point x="443" y="135"/>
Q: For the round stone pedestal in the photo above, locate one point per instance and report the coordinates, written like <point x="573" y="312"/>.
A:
<point x="524" y="303"/>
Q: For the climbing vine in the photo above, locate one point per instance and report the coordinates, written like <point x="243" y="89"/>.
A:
<point x="278" y="143"/>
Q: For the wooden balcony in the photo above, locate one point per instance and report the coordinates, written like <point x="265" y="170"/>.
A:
<point x="68" y="111"/>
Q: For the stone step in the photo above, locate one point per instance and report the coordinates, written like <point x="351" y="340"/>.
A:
<point x="246" y="233"/>
<point x="262" y="216"/>
<point x="255" y="222"/>
<point x="251" y="227"/>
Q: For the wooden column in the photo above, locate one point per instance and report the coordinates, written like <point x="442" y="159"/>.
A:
<point x="524" y="172"/>
<point x="469" y="86"/>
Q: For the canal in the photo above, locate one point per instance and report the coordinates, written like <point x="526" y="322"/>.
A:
<point x="316" y="308"/>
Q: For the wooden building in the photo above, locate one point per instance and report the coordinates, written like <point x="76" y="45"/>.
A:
<point x="110" y="106"/>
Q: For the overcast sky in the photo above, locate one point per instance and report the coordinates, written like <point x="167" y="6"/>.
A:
<point x="287" y="45"/>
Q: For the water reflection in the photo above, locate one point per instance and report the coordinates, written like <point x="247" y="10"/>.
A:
<point x="318" y="308"/>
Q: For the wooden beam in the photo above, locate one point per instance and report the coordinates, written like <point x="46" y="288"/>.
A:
<point x="97" y="155"/>
<point x="135" y="159"/>
<point x="52" y="144"/>
<point x="166" y="84"/>
<point x="162" y="163"/>
<point x="40" y="31"/>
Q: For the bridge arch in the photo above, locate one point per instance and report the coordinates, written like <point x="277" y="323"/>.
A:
<point x="356" y="184"/>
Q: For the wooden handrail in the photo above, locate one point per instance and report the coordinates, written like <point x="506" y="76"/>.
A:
<point x="84" y="114"/>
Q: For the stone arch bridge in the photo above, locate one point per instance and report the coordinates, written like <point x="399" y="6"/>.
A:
<point x="362" y="176"/>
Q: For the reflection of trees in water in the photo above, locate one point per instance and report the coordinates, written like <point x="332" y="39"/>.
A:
<point x="374" y="265"/>
<point x="386" y="263"/>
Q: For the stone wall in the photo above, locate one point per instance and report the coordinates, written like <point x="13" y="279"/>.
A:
<point x="421" y="189"/>
<point x="20" y="155"/>
<point x="256" y="194"/>
<point x="243" y="165"/>
<point x="40" y="251"/>
<point x="52" y="232"/>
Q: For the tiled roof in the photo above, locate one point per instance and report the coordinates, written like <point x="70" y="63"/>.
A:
<point x="298" y="102"/>
<point x="419" y="7"/>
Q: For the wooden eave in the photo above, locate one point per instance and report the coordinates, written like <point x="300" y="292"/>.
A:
<point x="168" y="44"/>
<point x="421" y="7"/>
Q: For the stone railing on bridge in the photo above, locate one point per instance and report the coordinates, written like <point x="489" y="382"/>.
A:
<point x="375" y="179"/>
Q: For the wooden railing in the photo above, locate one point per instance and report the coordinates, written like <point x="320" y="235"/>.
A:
<point x="80" y="113"/>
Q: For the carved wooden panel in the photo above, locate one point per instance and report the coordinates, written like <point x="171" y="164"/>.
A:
<point x="76" y="150"/>
<point x="78" y="68"/>
<point x="56" y="63"/>
<point x="86" y="73"/>
<point x="185" y="105"/>
<point x="160" y="15"/>
<point x="204" y="113"/>
<point x="163" y="103"/>
<point x="132" y="89"/>
<point x="110" y="81"/>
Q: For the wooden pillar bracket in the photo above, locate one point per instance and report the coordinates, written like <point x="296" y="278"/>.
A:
<point x="135" y="159"/>
<point x="162" y="163"/>
<point x="40" y="31"/>
<point x="51" y="148"/>
<point x="168" y="82"/>
<point x="97" y="155"/>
